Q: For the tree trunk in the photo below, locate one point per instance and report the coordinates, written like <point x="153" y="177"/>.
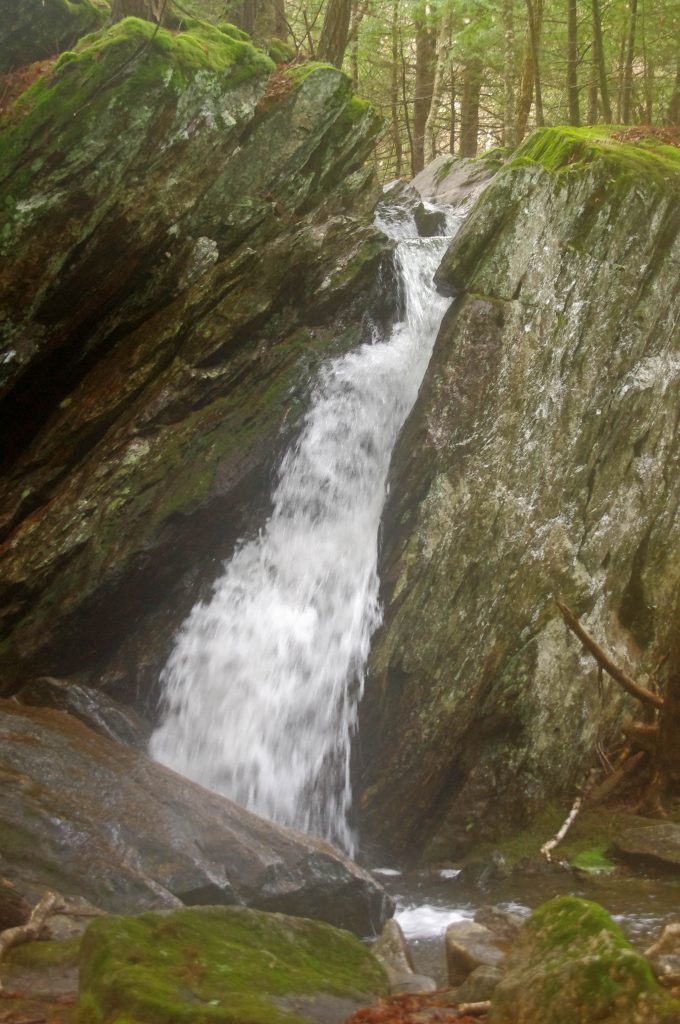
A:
<point x="394" y="91"/>
<point x="452" y="113"/>
<point x="526" y="95"/>
<point x="535" y="12"/>
<point x="669" y="723"/>
<point x="425" y="47"/>
<point x="572" y="64"/>
<point x="627" y="90"/>
<point x="443" y="48"/>
<point x="148" y="10"/>
<point x="598" y="60"/>
<point x="469" y="108"/>
<point x="335" y="32"/>
<point x="509" y="126"/>
<point x="673" y="112"/>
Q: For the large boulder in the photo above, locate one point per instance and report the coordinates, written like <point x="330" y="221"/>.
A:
<point x="35" y="29"/>
<point x="226" y="965"/>
<point x="541" y="461"/>
<point x="180" y="247"/>
<point x="658" y="842"/>
<point x="572" y="963"/>
<point x="93" y="818"/>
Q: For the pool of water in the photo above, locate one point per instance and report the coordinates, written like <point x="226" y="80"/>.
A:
<point x="428" y="901"/>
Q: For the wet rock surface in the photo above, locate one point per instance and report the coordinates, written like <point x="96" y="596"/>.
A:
<point x="89" y="817"/>
<point x="658" y="842"/>
<point x="470" y="945"/>
<point x="541" y="460"/>
<point x="214" y="246"/>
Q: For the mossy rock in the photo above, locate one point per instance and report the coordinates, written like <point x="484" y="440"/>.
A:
<point x="37" y="29"/>
<point x="572" y="963"/>
<point x="232" y="965"/>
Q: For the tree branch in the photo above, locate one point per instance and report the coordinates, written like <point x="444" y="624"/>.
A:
<point x="603" y="659"/>
<point x="31" y="930"/>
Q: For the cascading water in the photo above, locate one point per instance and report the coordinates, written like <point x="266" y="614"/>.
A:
<point x="262" y="688"/>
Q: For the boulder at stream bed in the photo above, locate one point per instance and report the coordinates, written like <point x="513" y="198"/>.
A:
<point x="222" y="964"/>
<point x="87" y="816"/>
<point x="571" y="963"/>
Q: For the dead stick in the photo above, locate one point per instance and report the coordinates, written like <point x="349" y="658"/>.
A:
<point x="473" y="1008"/>
<point x="31" y="930"/>
<point x="548" y="847"/>
<point x="603" y="659"/>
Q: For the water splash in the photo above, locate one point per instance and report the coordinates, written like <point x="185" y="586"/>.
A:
<point x="262" y="688"/>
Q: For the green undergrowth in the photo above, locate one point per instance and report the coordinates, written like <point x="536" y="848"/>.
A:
<point x="236" y="964"/>
<point x="45" y="954"/>
<point x="565" y="149"/>
<point x="129" y="61"/>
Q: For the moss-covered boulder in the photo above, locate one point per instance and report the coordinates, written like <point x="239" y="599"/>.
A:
<point x="228" y="965"/>
<point x="180" y="246"/>
<point x="36" y="29"/>
<point x="571" y="963"/>
<point x="541" y="461"/>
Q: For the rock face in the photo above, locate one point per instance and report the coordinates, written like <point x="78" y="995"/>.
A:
<point x="541" y="460"/>
<point x="183" y="239"/>
<point x="36" y="29"/>
<point x="93" y="818"/>
<point x="226" y="965"/>
<point x="571" y="962"/>
<point x="658" y="842"/>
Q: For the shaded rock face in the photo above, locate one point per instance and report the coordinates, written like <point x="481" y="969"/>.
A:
<point x="90" y="817"/>
<point x="541" y="459"/>
<point x="455" y="181"/>
<point x="179" y="250"/>
<point x="225" y="965"/>
<point x="36" y="29"/>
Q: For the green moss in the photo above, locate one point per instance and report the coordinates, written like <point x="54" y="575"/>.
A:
<point x="564" y="149"/>
<point x="299" y="72"/>
<point x="355" y="110"/>
<point x="86" y="78"/>
<point x="234" y="962"/>
<point x="280" y="51"/>
<point x="52" y="953"/>
<point x="233" y="32"/>
<point x="443" y="170"/>
<point x="593" y="862"/>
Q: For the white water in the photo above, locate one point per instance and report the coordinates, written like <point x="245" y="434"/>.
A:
<point x="262" y="688"/>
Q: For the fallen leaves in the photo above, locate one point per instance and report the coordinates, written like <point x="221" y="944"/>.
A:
<point x="426" y="1008"/>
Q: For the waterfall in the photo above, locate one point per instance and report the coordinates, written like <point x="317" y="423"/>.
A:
<point x="262" y="688"/>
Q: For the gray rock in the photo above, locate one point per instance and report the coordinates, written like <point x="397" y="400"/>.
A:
<point x="94" y="708"/>
<point x="572" y="963"/>
<point x="503" y="923"/>
<point x="391" y="950"/>
<point x="470" y="945"/>
<point x="479" y="985"/>
<point x="540" y="459"/>
<point x="664" y="955"/>
<point x="659" y="842"/>
<point x="458" y="182"/>
<point x="95" y="819"/>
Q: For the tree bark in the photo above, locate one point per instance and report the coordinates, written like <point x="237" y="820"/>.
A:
<point x="452" y="112"/>
<point x="394" y="91"/>
<point x="148" y="10"/>
<point x="598" y="60"/>
<point x="469" y="108"/>
<point x="335" y="32"/>
<point x="627" y="88"/>
<point x="673" y="112"/>
<point x="509" y="126"/>
<point x="572" y="64"/>
<point x="443" y="48"/>
<point x="535" y="12"/>
<point x="425" y="47"/>
<point x="669" y="724"/>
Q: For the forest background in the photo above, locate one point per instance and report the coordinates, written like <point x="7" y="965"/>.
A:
<point x="467" y="76"/>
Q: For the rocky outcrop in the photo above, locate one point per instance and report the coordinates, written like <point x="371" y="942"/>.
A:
<point x="571" y="962"/>
<point x="184" y="237"/>
<point x="457" y="181"/>
<point x="36" y="29"/>
<point x="89" y="817"/>
<point x="223" y="965"/>
<point x="541" y="461"/>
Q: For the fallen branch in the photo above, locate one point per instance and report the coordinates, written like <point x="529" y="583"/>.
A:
<point x="613" y="781"/>
<point x="31" y="930"/>
<point x="473" y="1009"/>
<point x="643" y="735"/>
<point x="548" y="847"/>
<point x="604" y="660"/>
